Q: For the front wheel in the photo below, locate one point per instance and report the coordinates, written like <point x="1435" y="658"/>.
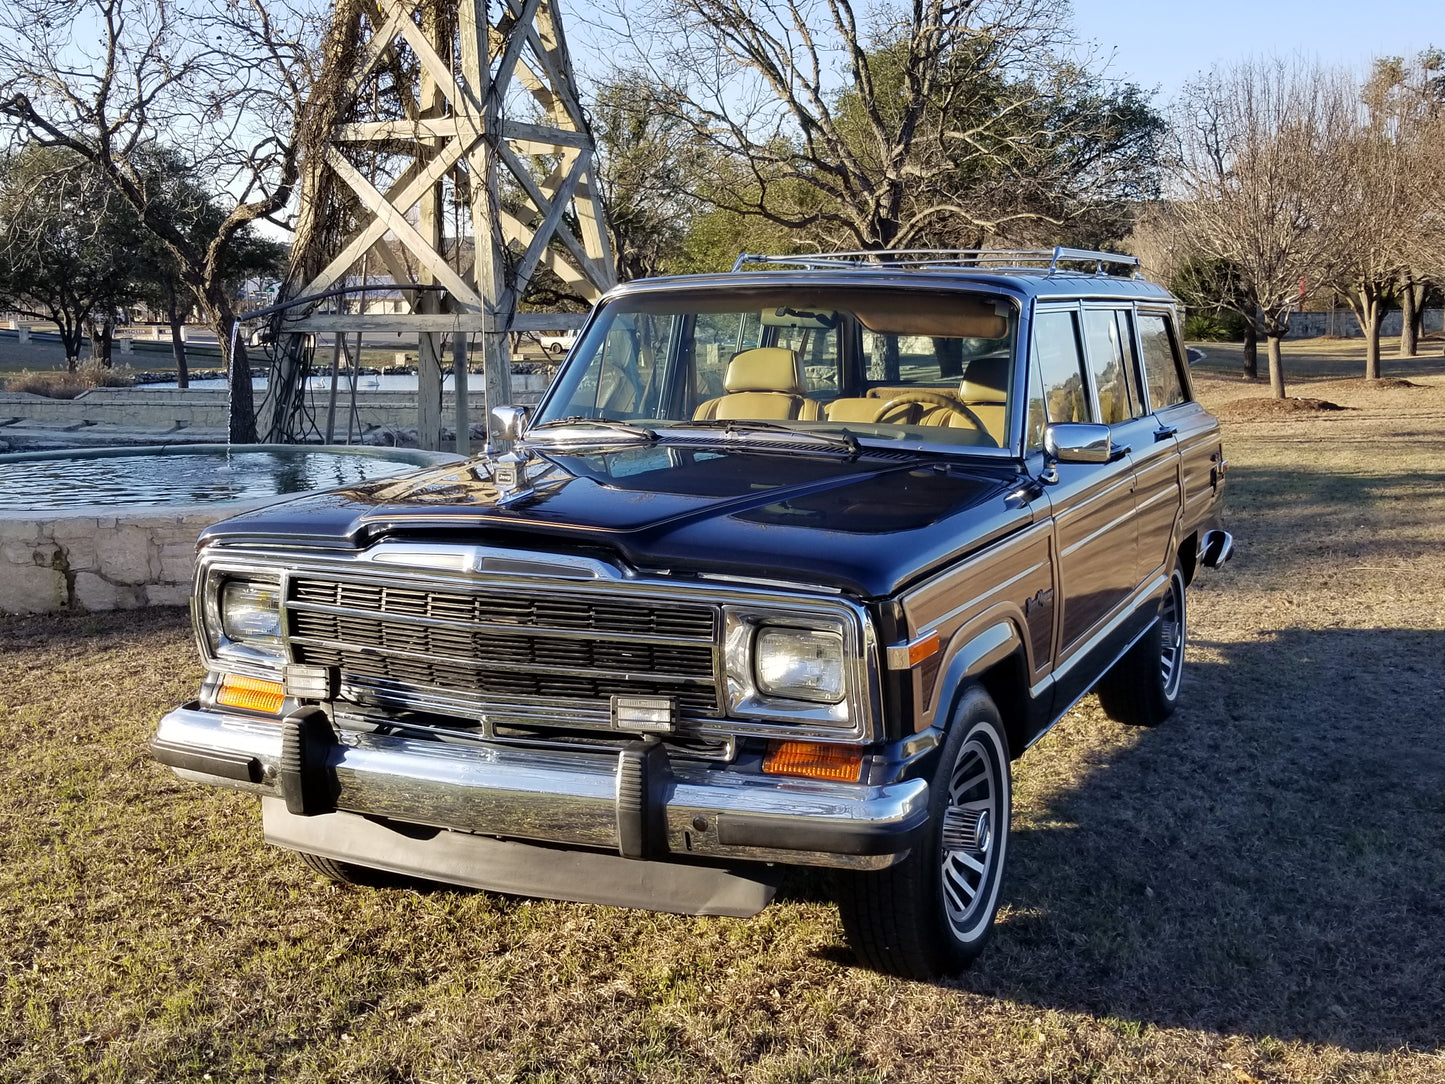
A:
<point x="931" y="914"/>
<point x="1142" y="688"/>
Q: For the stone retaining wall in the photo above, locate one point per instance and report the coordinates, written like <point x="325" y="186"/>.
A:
<point x="94" y="560"/>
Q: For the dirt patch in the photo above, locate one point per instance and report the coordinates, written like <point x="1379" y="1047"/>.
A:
<point x="1389" y="383"/>
<point x="1269" y="407"/>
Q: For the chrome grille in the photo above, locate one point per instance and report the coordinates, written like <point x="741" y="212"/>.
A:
<point x="490" y="651"/>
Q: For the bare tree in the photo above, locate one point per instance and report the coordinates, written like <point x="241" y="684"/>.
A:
<point x="1256" y="184"/>
<point x="226" y="79"/>
<point x="1203" y="282"/>
<point x="1388" y="194"/>
<point x="1412" y="98"/>
<point x="938" y="121"/>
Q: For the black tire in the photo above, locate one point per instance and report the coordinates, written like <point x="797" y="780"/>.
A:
<point x="346" y="873"/>
<point x="1142" y="688"/>
<point x="917" y="919"/>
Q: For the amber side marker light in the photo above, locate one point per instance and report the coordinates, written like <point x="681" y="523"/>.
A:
<point x="816" y="760"/>
<point x="253" y="694"/>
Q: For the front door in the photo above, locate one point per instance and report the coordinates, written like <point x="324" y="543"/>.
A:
<point x="1094" y="518"/>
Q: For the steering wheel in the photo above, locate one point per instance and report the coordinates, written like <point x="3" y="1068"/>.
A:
<point x="923" y="399"/>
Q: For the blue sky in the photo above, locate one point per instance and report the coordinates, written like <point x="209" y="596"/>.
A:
<point x="1164" y="44"/>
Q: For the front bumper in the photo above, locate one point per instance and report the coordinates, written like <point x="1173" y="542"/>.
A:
<point x="635" y="803"/>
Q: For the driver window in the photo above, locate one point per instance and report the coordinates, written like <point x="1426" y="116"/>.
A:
<point x="631" y="355"/>
<point x="1060" y="392"/>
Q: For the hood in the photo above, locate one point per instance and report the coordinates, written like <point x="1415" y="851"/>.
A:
<point x="865" y="525"/>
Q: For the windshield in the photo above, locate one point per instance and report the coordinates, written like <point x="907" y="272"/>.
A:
<point x="894" y="364"/>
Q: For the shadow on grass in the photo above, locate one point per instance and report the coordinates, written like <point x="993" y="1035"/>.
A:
<point x="1306" y="509"/>
<point x="1268" y="862"/>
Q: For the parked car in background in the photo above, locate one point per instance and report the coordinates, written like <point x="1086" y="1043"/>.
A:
<point x="787" y="568"/>
<point x="558" y="343"/>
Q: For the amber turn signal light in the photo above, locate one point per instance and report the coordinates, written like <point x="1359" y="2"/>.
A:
<point x="816" y="760"/>
<point x="253" y="694"/>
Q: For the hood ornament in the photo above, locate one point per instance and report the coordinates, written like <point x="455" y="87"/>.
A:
<point x="510" y="476"/>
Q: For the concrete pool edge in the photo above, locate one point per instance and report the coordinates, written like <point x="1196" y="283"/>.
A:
<point x="112" y="557"/>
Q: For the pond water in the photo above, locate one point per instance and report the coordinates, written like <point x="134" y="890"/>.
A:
<point x="198" y="474"/>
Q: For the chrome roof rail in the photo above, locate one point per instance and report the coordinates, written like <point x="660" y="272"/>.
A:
<point x="926" y="259"/>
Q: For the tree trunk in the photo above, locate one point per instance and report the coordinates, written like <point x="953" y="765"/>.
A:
<point x="106" y="342"/>
<point x="1251" y="349"/>
<point x="949" y="353"/>
<point x="72" y="337"/>
<point x="1365" y="302"/>
<point x="99" y="342"/>
<point x="1411" y="314"/>
<point x="1374" y="313"/>
<point x="178" y="338"/>
<point x="1273" y="338"/>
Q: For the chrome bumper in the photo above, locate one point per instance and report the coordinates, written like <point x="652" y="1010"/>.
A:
<point x="634" y="803"/>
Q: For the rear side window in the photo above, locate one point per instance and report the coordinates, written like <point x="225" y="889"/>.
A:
<point x="1059" y="394"/>
<point x="1109" y="335"/>
<point x="1161" y="361"/>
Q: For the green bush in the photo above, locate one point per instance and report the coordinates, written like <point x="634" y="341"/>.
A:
<point x="1216" y="326"/>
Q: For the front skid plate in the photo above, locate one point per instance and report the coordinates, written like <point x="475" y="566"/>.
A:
<point x="522" y="869"/>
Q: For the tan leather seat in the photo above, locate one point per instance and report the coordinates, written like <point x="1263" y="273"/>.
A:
<point x="766" y="382"/>
<point x="984" y="390"/>
<point x="855" y="410"/>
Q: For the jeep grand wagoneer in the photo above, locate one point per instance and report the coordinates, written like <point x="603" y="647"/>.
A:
<point x="786" y="569"/>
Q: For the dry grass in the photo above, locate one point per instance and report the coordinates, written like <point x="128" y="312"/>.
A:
<point x="63" y="384"/>
<point x="1254" y="892"/>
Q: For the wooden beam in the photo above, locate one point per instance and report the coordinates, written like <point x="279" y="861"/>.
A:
<point x="548" y="226"/>
<point x="406" y="233"/>
<point x="584" y="260"/>
<point x="369" y="234"/>
<point x="539" y="135"/>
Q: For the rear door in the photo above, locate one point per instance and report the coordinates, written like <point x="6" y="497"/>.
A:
<point x="1114" y="370"/>
<point x="1179" y="419"/>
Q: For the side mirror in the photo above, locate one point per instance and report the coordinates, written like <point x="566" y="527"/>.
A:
<point x="511" y="421"/>
<point x="1077" y="442"/>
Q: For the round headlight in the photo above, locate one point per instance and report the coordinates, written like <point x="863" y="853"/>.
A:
<point x="799" y="664"/>
<point x="251" y="613"/>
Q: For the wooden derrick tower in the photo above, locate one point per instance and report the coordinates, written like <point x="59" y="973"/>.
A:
<point x="448" y="151"/>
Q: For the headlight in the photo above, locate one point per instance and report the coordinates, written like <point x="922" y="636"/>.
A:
<point x="251" y="613"/>
<point x="799" y="664"/>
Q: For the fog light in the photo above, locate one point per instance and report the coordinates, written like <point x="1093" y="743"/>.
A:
<point x="815" y="760"/>
<point x="649" y="714"/>
<point x="253" y="694"/>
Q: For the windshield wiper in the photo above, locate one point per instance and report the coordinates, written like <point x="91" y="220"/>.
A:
<point x="734" y="427"/>
<point x="555" y="430"/>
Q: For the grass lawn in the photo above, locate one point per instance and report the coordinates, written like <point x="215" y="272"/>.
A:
<point x="1253" y="893"/>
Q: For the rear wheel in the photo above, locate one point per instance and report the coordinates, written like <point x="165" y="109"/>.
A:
<point x="1142" y="688"/>
<point x="931" y="914"/>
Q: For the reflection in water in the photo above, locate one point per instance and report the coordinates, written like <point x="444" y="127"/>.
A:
<point x="181" y="478"/>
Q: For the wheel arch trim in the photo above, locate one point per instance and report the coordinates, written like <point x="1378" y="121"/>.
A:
<point x="967" y="665"/>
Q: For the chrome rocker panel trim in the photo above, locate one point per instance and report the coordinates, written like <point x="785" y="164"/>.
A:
<point x="639" y="806"/>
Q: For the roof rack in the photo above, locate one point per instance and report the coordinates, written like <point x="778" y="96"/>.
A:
<point x="924" y="259"/>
